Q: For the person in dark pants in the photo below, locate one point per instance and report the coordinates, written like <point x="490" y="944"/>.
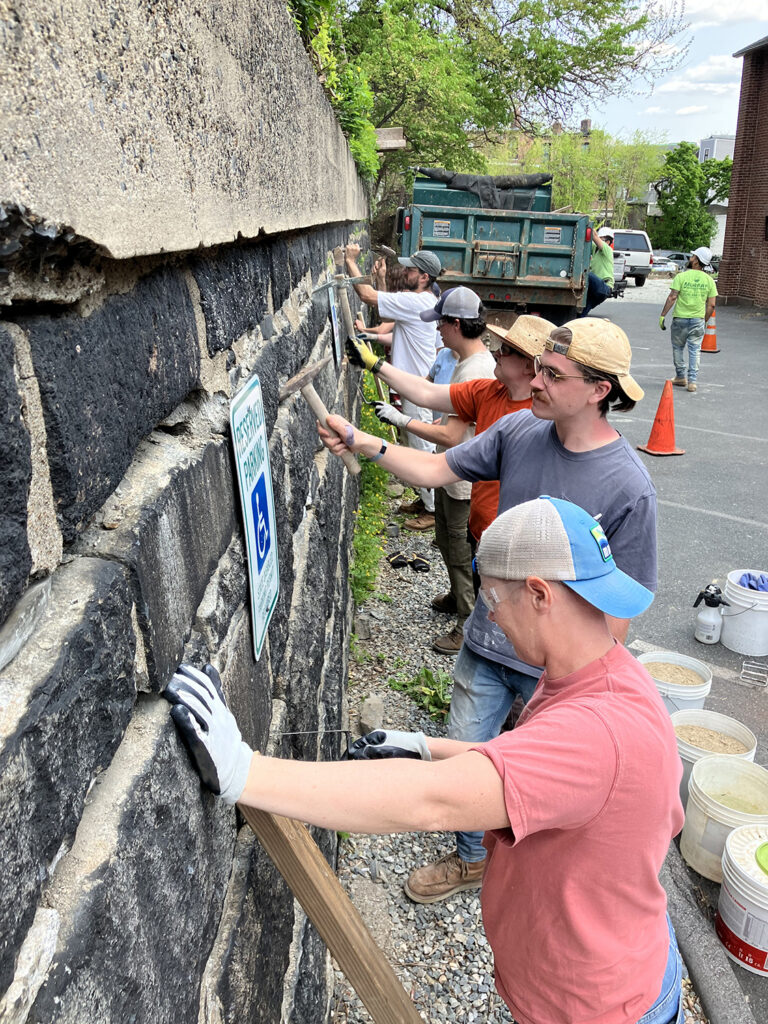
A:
<point x="600" y="285"/>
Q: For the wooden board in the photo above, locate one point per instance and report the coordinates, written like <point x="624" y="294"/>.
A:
<point x="298" y="859"/>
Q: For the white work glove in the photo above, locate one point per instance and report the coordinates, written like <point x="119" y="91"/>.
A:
<point x="383" y="743"/>
<point x="209" y="731"/>
<point x="388" y="414"/>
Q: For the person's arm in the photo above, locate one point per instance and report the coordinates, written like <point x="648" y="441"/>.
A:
<point x="710" y="307"/>
<point x="461" y="789"/>
<point x="367" y="292"/>
<point x="410" y="386"/>
<point x="670" y="301"/>
<point x="597" y="240"/>
<point x="424" y="469"/>
<point x="446" y="435"/>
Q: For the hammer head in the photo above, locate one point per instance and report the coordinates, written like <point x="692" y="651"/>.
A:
<point x="304" y="377"/>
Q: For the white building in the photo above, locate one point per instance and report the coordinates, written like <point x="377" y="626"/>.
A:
<point x="718" y="147"/>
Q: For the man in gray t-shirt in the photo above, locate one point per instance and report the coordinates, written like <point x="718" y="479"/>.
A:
<point x="566" y="448"/>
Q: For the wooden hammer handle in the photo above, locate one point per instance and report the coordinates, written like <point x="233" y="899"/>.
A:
<point x="315" y="403"/>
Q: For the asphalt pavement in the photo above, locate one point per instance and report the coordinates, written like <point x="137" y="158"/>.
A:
<point x="713" y="518"/>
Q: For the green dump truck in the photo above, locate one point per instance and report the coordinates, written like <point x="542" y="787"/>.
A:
<point x="498" y="236"/>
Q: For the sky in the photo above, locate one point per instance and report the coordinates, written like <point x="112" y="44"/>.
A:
<point x="701" y="96"/>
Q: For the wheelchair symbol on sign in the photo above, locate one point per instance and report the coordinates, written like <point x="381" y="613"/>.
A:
<point x="260" y="510"/>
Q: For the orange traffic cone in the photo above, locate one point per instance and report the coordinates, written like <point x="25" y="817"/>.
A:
<point x="710" y="335"/>
<point x="662" y="439"/>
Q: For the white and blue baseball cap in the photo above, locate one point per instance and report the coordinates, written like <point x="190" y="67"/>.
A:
<point x="457" y="303"/>
<point x="557" y="540"/>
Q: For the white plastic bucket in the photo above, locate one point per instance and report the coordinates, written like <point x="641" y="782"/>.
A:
<point x="689" y="754"/>
<point x="676" y="697"/>
<point x="708" y="822"/>
<point x="745" y="622"/>
<point x="741" y="921"/>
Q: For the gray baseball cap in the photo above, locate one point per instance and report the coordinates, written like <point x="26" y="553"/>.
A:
<point x="461" y="303"/>
<point x="425" y="261"/>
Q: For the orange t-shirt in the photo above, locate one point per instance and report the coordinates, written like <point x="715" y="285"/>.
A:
<point x="483" y="402"/>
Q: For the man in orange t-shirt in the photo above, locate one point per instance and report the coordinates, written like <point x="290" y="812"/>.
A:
<point x="481" y="402"/>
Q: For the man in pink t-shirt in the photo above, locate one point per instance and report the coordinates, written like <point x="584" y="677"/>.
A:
<point x="579" y="801"/>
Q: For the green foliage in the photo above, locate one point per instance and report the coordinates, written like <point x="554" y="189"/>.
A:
<point x="685" y="188"/>
<point x="359" y="655"/>
<point x="371" y="515"/>
<point x="429" y="690"/>
<point x="596" y="174"/>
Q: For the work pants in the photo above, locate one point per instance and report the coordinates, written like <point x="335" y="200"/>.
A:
<point x="416" y="412"/>
<point x="597" y="291"/>
<point x="687" y="332"/>
<point x="451" y="518"/>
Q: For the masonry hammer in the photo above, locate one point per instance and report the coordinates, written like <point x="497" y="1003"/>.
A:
<point x="303" y="382"/>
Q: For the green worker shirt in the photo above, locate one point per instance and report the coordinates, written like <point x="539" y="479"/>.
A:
<point x="694" y="288"/>
<point x="602" y="263"/>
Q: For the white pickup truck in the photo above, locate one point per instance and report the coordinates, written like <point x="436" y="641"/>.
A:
<point x="635" y="247"/>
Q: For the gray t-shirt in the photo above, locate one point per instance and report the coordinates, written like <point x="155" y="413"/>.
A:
<point x="525" y="454"/>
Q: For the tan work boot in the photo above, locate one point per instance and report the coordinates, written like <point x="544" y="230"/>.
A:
<point x="691" y="386"/>
<point x="423" y="522"/>
<point x="446" y="876"/>
<point x="679" y="382"/>
<point x="450" y="643"/>
<point x="445" y="603"/>
<point x="412" y="508"/>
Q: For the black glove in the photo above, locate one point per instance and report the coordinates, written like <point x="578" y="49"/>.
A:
<point x="209" y="731"/>
<point x="383" y="743"/>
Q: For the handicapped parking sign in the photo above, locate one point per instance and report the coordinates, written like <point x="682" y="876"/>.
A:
<point x="249" y="437"/>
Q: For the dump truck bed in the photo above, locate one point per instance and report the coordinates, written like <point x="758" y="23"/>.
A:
<point x="515" y="260"/>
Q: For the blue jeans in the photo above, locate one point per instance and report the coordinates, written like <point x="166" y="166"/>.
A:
<point x="597" y="291"/>
<point x="668" y="1008"/>
<point x="483" y="693"/>
<point x="688" y="332"/>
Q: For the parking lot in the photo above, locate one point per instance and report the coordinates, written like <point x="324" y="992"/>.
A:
<point x="713" y="518"/>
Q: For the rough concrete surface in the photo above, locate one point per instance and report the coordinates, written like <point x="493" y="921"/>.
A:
<point x="140" y="893"/>
<point x="65" y="701"/>
<point x="105" y="381"/>
<point x="15" y="479"/>
<point x="180" y="123"/>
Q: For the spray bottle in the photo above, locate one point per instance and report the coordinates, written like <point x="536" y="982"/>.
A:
<point x="709" y="621"/>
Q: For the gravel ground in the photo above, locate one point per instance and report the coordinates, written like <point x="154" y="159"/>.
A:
<point x="439" y="952"/>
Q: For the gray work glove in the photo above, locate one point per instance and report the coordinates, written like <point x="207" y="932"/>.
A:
<point x="383" y="743"/>
<point x="209" y="731"/>
<point x="389" y="414"/>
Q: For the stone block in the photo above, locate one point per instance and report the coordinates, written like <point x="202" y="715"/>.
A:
<point x="65" y="701"/>
<point x="105" y="381"/>
<point x="245" y="974"/>
<point x="140" y="894"/>
<point x="172" y="522"/>
<point x="247" y="683"/>
<point x="15" y="480"/>
<point x="234" y="291"/>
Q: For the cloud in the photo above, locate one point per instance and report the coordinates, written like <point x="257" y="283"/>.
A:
<point x="713" y="88"/>
<point x="690" y="110"/>
<point x="714" y="12"/>
<point x="720" y="66"/>
<point x="655" y="110"/>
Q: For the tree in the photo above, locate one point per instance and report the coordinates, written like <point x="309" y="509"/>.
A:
<point x="685" y="189"/>
<point x="593" y="173"/>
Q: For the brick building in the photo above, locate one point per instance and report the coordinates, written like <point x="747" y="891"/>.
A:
<point x="744" y="269"/>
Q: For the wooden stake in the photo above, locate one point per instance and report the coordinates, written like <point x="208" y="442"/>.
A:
<point x="297" y="857"/>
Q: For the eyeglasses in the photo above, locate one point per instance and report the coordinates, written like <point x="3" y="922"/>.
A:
<point x="492" y="599"/>
<point x="550" y="376"/>
<point x="507" y="350"/>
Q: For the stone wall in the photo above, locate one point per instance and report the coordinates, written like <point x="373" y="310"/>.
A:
<point x="129" y="894"/>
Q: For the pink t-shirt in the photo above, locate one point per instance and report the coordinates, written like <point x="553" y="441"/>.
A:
<point x="572" y="903"/>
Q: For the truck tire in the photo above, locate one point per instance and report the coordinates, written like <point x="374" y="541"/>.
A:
<point x="639" y="281"/>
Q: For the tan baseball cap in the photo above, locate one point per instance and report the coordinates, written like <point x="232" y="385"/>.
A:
<point x="600" y="345"/>
<point x="527" y="333"/>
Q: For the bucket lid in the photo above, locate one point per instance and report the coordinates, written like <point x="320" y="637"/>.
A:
<point x="747" y="848"/>
<point x="761" y="856"/>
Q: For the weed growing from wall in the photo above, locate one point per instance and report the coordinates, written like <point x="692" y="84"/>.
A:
<point x="372" y="513"/>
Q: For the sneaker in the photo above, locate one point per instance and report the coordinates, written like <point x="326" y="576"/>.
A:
<point x="450" y="643"/>
<point x="423" y="522"/>
<point x="679" y="382"/>
<point x="412" y="508"/>
<point x="446" y="876"/>
<point x="691" y="386"/>
<point x="445" y="603"/>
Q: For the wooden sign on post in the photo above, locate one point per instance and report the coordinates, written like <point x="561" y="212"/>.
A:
<point x="297" y="857"/>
